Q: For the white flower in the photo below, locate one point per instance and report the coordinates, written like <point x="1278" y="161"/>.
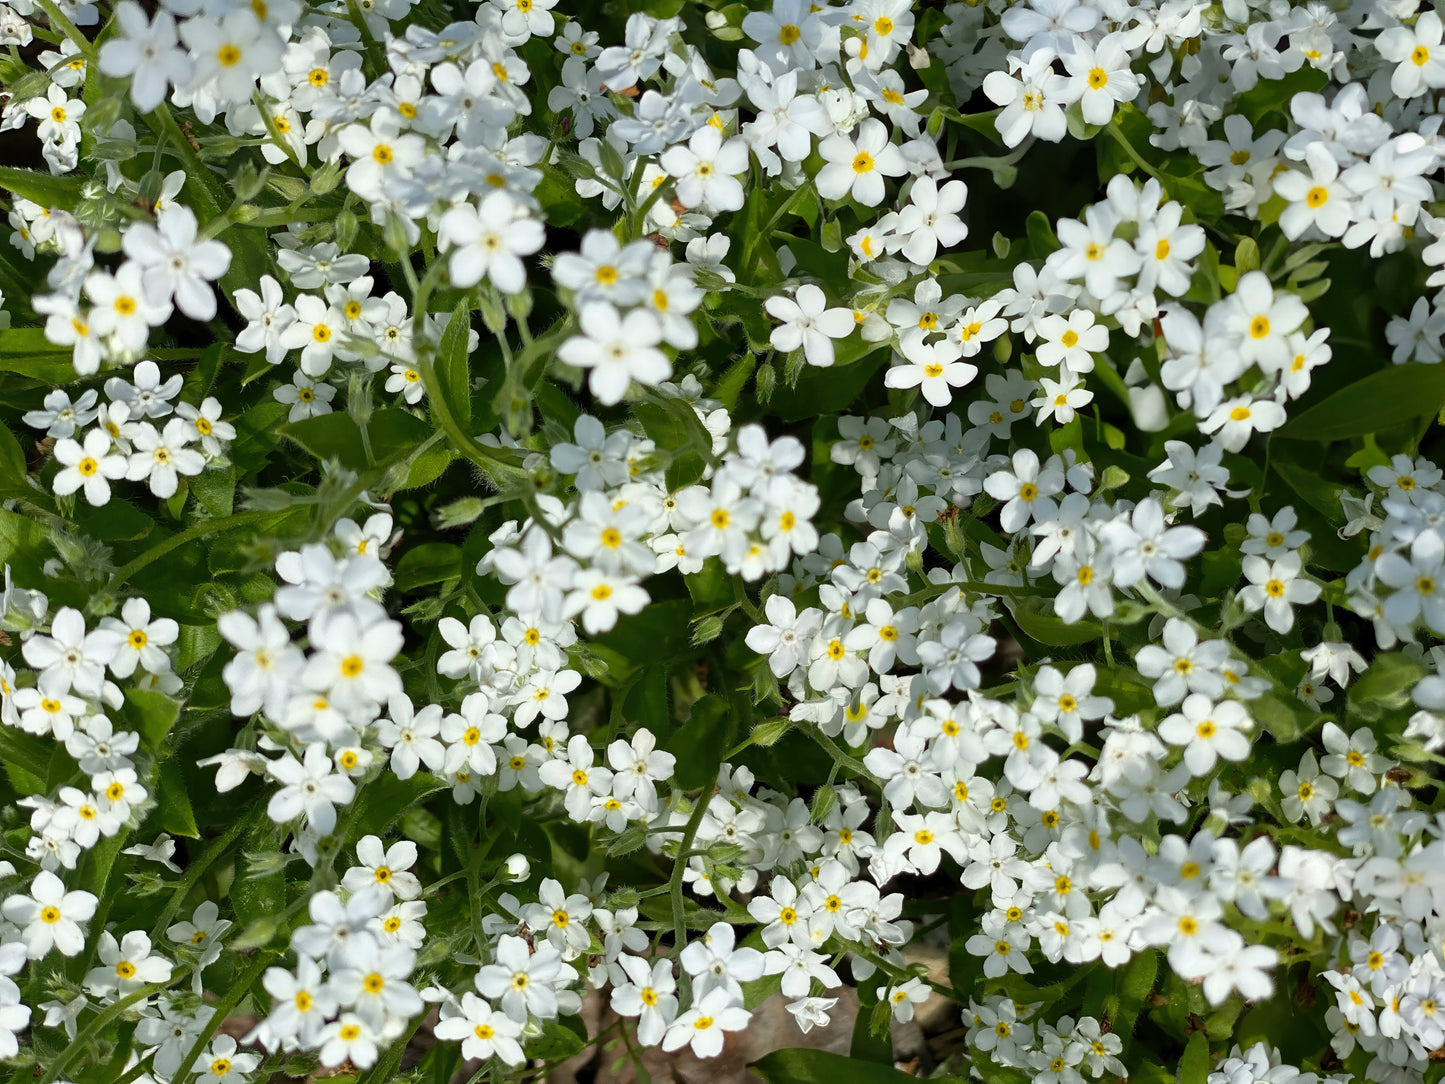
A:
<point x="524" y="979"/>
<point x="70" y="656"/>
<point x="649" y="994"/>
<point x="125" y="965"/>
<point x="387" y="868"/>
<point x="307" y="398"/>
<point x="903" y="999"/>
<point x="1028" y="488"/>
<point x="702" y="1027"/>
<point x="617" y="350"/>
<point x="162" y="456"/>
<point x="931" y="219"/>
<point x="90" y="466"/>
<point x="706" y="168"/>
<point x="1061" y="398"/>
<point x="807" y="322"/>
<point x="50" y="916"/>
<point x="933" y="368"/>
<point x="174" y="264"/>
<point x="483" y="1031"/>
<point x="148" y="52"/>
<point x="1234" y="421"/>
<point x="1033" y="97"/>
<point x="856" y="165"/>
<point x="268" y="316"/>
<point x="348" y="1039"/>
<point x="309" y="788"/>
<point x="1306" y="792"/>
<point x="1319" y="199"/>
<point x="1276" y="589"/>
<point x="1208" y="731"/>
<point x="222" y="1063"/>
<point x="1099" y="77"/>
<point x="1417" y="54"/>
<point x="576" y="775"/>
<point x="600" y="597"/>
<point x="489" y="240"/>
<point x="717" y="965"/>
<point x="787" y="638"/>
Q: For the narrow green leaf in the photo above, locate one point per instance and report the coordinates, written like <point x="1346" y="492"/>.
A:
<point x="1194" y="1067"/>
<point x="153" y="714"/>
<point x="699" y="743"/>
<point x="1378" y="401"/>
<point x="794" y="1065"/>
<point x="453" y="372"/>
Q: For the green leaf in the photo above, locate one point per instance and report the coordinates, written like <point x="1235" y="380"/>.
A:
<point x="215" y="488"/>
<point x="699" y="743"/>
<point x="27" y="754"/>
<point x="387" y="798"/>
<point x="793" y="1065"/>
<point x="673" y="425"/>
<point x="428" y="467"/>
<point x="453" y="375"/>
<point x="1136" y="982"/>
<point x="868" y="1045"/>
<point x="1379" y="401"/>
<point x="42" y="188"/>
<point x="651" y="637"/>
<point x="12" y="466"/>
<point x="1042" y="240"/>
<point x="259" y="898"/>
<point x="1036" y="618"/>
<point x="431" y="562"/>
<point x="26" y="352"/>
<point x="1195" y="1065"/>
<point x="828" y="390"/>
<point x="392" y="433"/>
<point x="560" y="1038"/>
<point x="732" y="382"/>
<point x="173" y="804"/>
<point x="153" y="714"/>
<point x="1285" y="719"/>
<point x="991" y="1072"/>
<point x="710" y="587"/>
<point x="1385" y="685"/>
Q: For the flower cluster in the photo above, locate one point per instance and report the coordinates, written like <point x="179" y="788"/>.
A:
<point x="860" y="523"/>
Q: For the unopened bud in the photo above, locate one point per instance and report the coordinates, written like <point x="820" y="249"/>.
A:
<point x="459" y="513"/>
<point x="766" y="381"/>
<point x="706" y="629"/>
<point x="346" y="227"/>
<point x="248" y="182"/>
<point x="325" y="179"/>
<point x="518" y="868"/>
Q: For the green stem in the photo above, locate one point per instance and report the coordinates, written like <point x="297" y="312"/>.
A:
<point x="1114" y="130"/>
<point x="62" y="23"/>
<point x="175" y="541"/>
<point x="750" y="242"/>
<point x="385" y="1068"/>
<point x="239" y="989"/>
<point x="674" y="883"/>
<point x="197" y="869"/>
<point x="94" y="1028"/>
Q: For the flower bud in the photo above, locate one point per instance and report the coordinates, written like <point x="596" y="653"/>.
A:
<point x="518" y="868"/>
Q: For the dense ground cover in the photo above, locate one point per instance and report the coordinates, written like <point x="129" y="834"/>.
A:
<point x="666" y="506"/>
